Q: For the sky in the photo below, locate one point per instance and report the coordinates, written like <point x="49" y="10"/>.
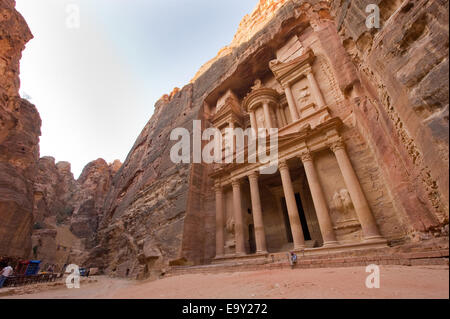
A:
<point x="95" y="68"/>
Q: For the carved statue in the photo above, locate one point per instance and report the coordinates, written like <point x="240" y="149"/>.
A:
<point x="342" y="201"/>
<point x="303" y="95"/>
<point x="258" y="84"/>
<point x="230" y="225"/>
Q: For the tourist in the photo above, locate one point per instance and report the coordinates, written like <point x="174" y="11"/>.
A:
<point x="293" y="259"/>
<point x="4" y="274"/>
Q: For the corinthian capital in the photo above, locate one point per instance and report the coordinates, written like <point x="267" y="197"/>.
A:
<point x="306" y="156"/>
<point x="236" y="182"/>
<point x="218" y="188"/>
<point x="337" y="145"/>
<point x="283" y="165"/>
<point x="253" y="175"/>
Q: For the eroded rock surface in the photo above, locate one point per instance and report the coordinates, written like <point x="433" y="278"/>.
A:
<point x="19" y="139"/>
<point x="67" y="211"/>
<point x="402" y="68"/>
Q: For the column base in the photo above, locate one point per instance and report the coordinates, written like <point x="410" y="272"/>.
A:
<point x="330" y="244"/>
<point x="371" y="239"/>
<point x="262" y="252"/>
<point x="219" y="256"/>
<point x="240" y="254"/>
<point x="302" y="247"/>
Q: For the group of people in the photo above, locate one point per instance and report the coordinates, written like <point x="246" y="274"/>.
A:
<point x="4" y="274"/>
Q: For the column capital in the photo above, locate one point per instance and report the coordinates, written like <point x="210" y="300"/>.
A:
<point x="306" y="156"/>
<point x="285" y="85"/>
<point x="236" y="182"/>
<point x="308" y="71"/>
<point x="218" y="188"/>
<point x="282" y="165"/>
<point x="336" y="145"/>
<point x="253" y="175"/>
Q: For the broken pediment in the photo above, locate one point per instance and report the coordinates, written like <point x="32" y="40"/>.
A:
<point x="289" y="72"/>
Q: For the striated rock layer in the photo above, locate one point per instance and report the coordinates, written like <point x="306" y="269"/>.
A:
<point x="398" y="79"/>
<point x="19" y="137"/>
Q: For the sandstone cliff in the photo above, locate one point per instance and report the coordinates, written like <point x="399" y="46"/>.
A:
<point x="66" y="211"/>
<point x="402" y="69"/>
<point x="19" y="137"/>
<point x="44" y="211"/>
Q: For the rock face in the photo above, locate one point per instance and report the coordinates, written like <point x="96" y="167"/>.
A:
<point x="44" y="212"/>
<point x="66" y="211"/>
<point x="53" y="190"/>
<point x="93" y="186"/>
<point x="402" y="70"/>
<point x="19" y="137"/>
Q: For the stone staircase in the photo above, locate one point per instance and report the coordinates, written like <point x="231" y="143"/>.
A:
<point x="434" y="252"/>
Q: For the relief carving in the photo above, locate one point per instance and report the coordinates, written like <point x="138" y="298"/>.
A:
<point x="342" y="201"/>
<point x="303" y="95"/>
<point x="230" y="225"/>
<point x="343" y="212"/>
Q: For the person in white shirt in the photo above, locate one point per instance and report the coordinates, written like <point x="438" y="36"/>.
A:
<point x="4" y="274"/>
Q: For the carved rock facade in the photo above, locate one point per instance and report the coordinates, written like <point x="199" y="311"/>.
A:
<point x="298" y="71"/>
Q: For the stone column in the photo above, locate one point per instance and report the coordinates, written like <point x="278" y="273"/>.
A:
<point x="368" y="223"/>
<point x="320" y="204"/>
<point x="283" y="116"/>
<point x="317" y="93"/>
<point x="220" y="211"/>
<point x="279" y="118"/>
<point x="294" y="219"/>
<point x="253" y="122"/>
<point x="267" y="115"/>
<point x="260" y="234"/>
<point x="238" y="218"/>
<point x="291" y="103"/>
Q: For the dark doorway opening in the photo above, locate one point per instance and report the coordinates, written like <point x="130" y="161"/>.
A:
<point x="301" y="214"/>
<point x="287" y="224"/>
<point x="251" y="238"/>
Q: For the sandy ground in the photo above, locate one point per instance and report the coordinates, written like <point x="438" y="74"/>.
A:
<point x="396" y="282"/>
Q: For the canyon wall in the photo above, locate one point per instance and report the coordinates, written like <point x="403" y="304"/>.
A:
<point x="67" y="211"/>
<point x="398" y="84"/>
<point x="44" y="212"/>
<point x="19" y="139"/>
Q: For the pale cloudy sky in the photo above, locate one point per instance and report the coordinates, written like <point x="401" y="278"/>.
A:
<point x="95" y="86"/>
